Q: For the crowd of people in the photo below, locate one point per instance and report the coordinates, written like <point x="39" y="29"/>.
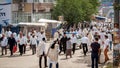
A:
<point x="96" y="39"/>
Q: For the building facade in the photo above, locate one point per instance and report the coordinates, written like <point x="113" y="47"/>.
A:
<point x="31" y="10"/>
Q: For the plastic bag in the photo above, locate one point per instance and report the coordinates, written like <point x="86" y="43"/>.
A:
<point x="14" y="49"/>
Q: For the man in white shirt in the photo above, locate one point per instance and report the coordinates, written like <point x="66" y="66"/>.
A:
<point x="24" y="43"/>
<point x="4" y="41"/>
<point x="85" y="42"/>
<point x="20" y="43"/>
<point x="33" y="41"/>
<point x="73" y="40"/>
<point x="41" y="51"/>
<point x="9" y="33"/>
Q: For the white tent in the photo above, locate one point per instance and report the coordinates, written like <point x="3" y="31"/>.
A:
<point x="48" y="21"/>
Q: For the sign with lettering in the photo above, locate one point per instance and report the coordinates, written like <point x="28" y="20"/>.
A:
<point x="5" y="12"/>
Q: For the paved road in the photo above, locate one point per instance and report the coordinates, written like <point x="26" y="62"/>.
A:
<point x="31" y="61"/>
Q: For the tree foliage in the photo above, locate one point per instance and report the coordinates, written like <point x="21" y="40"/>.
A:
<point x="75" y="11"/>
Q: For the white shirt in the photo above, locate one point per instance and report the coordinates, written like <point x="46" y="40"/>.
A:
<point x="33" y="40"/>
<point x="85" y="40"/>
<point x="25" y="39"/>
<point x="43" y="36"/>
<point x="4" y="41"/>
<point x="21" y="40"/>
<point x="102" y="36"/>
<point x="110" y="37"/>
<point x="14" y="34"/>
<point x="73" y="39"/>
<point x="39" y="36"/>
<point x="29" y="33"/>
<point x="106" y="43"/>
<point x="9" y="33"/>
<point x="41" y="48"/>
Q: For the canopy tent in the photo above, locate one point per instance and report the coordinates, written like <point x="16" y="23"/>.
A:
<point x="49" y="21"/>
<point x="31" y="24"/>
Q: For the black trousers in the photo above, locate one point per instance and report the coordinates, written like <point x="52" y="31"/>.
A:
<point x="40" y="60"/>
<point x="60" y="46"/>
<point x="4" y="48"/>
<point x="74" y="45"/>
<point x="94" y="58"/>
<point x="85" y="48"/>
<point x="33" y="49"/>
<point x="21" y="49"/>
<point x="11" y="49"/>
<point x="64" y="48"/>
<point x="24" y="48"/>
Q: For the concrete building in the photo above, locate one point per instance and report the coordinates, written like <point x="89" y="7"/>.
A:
<point x="31" y="10"/>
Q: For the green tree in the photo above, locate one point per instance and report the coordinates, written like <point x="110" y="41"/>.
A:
<point x="75" y="11"/>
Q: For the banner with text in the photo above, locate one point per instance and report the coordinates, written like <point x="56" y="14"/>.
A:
<point x="5" y="12"/>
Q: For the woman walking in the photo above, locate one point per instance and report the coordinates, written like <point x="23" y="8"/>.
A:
<point x="53" y="52"/>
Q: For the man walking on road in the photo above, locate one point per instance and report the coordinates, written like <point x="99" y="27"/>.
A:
<point x="63" y="41"/>
<point x="95" y="52"/>
<point x="106" y="48"/>
<point x="33" y="44"/>
<point x="84" y="42"/>
<point x="4" y="44"/>
<point x="11" y="43"/>
<point x="41" y="52"/>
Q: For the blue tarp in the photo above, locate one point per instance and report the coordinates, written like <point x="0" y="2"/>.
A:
<point x="15" y="29"/>
<point x="53" y="31"/>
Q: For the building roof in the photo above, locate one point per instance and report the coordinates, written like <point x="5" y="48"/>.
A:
<point x="31" y="24"/>
<point x="49" y="21"/>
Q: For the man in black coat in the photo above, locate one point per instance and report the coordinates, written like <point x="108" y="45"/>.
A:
<point x="11" y="43"/>
<point x="63" y="42"/>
